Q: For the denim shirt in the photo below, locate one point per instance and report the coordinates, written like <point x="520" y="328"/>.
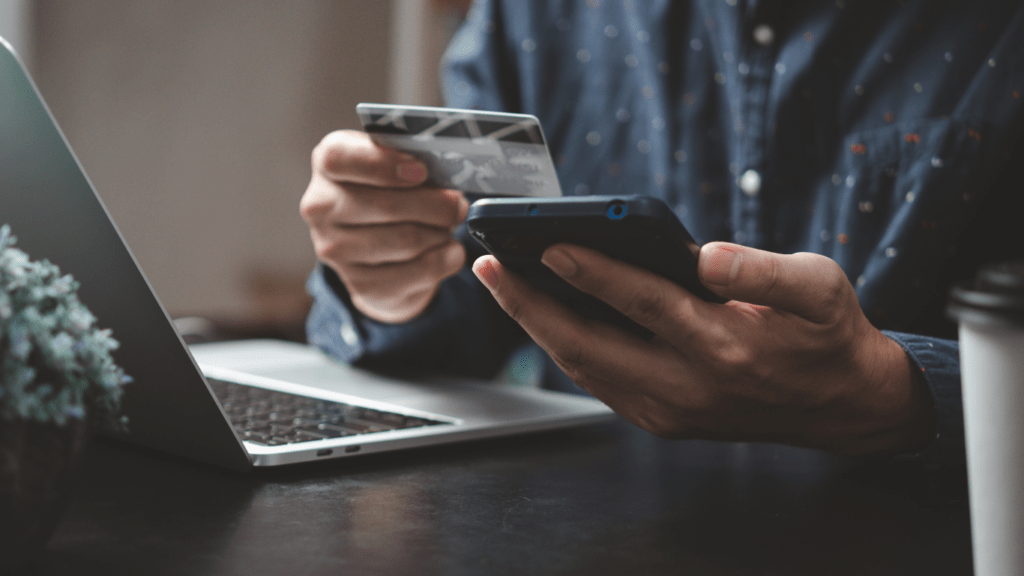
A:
<point x="883" y="135"/>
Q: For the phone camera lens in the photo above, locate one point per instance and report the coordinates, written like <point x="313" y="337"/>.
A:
<point x="616" y="210"/>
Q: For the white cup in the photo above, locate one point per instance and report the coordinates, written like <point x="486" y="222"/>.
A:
<point x="990" y="311"/>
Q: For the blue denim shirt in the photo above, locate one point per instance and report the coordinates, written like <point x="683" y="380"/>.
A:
<point x="883" y="135"/>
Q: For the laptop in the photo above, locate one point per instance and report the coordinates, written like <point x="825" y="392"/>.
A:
<point x="237" y="404"/>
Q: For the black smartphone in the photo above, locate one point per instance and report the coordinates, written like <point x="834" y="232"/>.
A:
<point x="639" y="230"/>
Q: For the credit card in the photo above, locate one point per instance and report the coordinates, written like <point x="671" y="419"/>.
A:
<point x="479" y="152"/>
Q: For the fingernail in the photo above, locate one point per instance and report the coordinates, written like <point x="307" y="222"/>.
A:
<point x="560" y="262"/>
<point x="411" y="171"/>
<point x="723" y="268"/>
<point x="484" y="270"/>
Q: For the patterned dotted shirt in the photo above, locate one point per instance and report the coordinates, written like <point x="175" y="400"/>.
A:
<point x="883" y="135"/>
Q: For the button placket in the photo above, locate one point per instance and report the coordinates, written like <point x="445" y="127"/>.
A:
<point x="758" y="55"/>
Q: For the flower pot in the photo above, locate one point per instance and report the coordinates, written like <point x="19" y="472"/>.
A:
<point x="37" y="464"/>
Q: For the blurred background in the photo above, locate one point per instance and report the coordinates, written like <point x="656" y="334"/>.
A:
<point x="195" y="121"/>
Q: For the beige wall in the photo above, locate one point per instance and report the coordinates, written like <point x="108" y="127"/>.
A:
<point x="195" y="120"/>
<point x="15" y="27"/>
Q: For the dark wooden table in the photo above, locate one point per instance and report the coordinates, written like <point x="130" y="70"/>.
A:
<point x="606" y="499"/>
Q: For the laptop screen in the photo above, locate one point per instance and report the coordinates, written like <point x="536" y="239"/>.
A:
<point x="53" y="211"/>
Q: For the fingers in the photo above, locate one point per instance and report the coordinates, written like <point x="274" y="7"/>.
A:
<point x="650" y="300"/>
<point x="357" y="182"/>
<point x="809" y="285"/>
<point x="580" y="347"/>
<point x="327" y="203"/>
<point x="396" y="292"/>
<point x="627" y="374"/>
<point x="376" y="245"/>
<point x="351" y="156"/>
<point x="372" y="221"/>
<point x="642" y="409"/>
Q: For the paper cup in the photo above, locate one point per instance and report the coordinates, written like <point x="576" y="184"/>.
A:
<point x="990" y="312"/>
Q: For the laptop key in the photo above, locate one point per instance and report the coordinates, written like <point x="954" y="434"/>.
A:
<point x="364" y="426"/>
<point x="302" y="434"/>
<point x="336" y="430"/>
<point x="255" y="436"/>
<point x="385" y="418"/>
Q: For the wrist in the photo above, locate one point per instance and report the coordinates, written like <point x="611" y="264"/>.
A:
<point x="902" y="416"/>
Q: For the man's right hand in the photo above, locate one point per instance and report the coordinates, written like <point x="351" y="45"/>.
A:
<point x="371" y="220"/>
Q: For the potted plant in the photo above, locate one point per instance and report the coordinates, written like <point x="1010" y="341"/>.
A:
<point x="56" y="377"/>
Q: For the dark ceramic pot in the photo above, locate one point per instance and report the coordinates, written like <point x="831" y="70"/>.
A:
<point x="37" y="465"/>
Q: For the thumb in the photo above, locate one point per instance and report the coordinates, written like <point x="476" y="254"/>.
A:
<point x="809" y="285"/>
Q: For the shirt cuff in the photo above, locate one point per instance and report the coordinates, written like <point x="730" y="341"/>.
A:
<point x="463" y="331"/>
<point x="939" y="362"/>
<point x="335" y="326"/>
<point x="331" y="324"/>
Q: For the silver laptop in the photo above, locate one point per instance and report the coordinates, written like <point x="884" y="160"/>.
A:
<point x="241" y="404"/>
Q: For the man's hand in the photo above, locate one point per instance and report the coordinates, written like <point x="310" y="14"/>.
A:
<point x="388" y="238"/>
<point x="790" y="358"/>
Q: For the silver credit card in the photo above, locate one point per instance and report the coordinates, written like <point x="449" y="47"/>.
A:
<point x="468" y="150"/>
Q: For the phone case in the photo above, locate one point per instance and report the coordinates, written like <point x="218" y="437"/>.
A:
<point x="639" y="230"/>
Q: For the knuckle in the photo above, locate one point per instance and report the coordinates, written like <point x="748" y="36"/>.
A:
<point x="324" y="251"/>
<point x="317" y="155"/>
<point x="323" y="248"/>
<point x="573" y="359"/>
<point x="314" y="205"/>
<point x="770" y="275"/>
<point x="335" y="159"/>
<point x="340" y="154"/>
<point x="647" y="307"/>
<point x="321" y="150"/>
<point x="836" y="290"/>
<point x="838" y="285"/>
<point x="736" y="356"/>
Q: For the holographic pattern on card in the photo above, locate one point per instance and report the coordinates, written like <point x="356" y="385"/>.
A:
<point x="480" y="152"/>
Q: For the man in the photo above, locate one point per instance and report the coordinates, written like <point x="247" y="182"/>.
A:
<point x="846" y="162"/>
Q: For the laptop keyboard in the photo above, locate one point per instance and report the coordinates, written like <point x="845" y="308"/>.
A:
<point x="273" y="418"/>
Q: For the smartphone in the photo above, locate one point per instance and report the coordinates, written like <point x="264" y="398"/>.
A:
<point x="639" y="230"/>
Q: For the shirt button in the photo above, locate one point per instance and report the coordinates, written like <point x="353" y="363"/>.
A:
<point x="763" y="34"/>
<point x="348" y="334"/>
<point x="750" y="183"/>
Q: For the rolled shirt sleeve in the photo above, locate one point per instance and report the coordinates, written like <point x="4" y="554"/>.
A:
<point x="939" y="362"/>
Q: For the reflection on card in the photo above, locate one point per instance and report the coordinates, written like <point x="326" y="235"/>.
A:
<point x="482" y="152"/>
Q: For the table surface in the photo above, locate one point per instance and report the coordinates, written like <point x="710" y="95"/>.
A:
<point x="604" y="499"/>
